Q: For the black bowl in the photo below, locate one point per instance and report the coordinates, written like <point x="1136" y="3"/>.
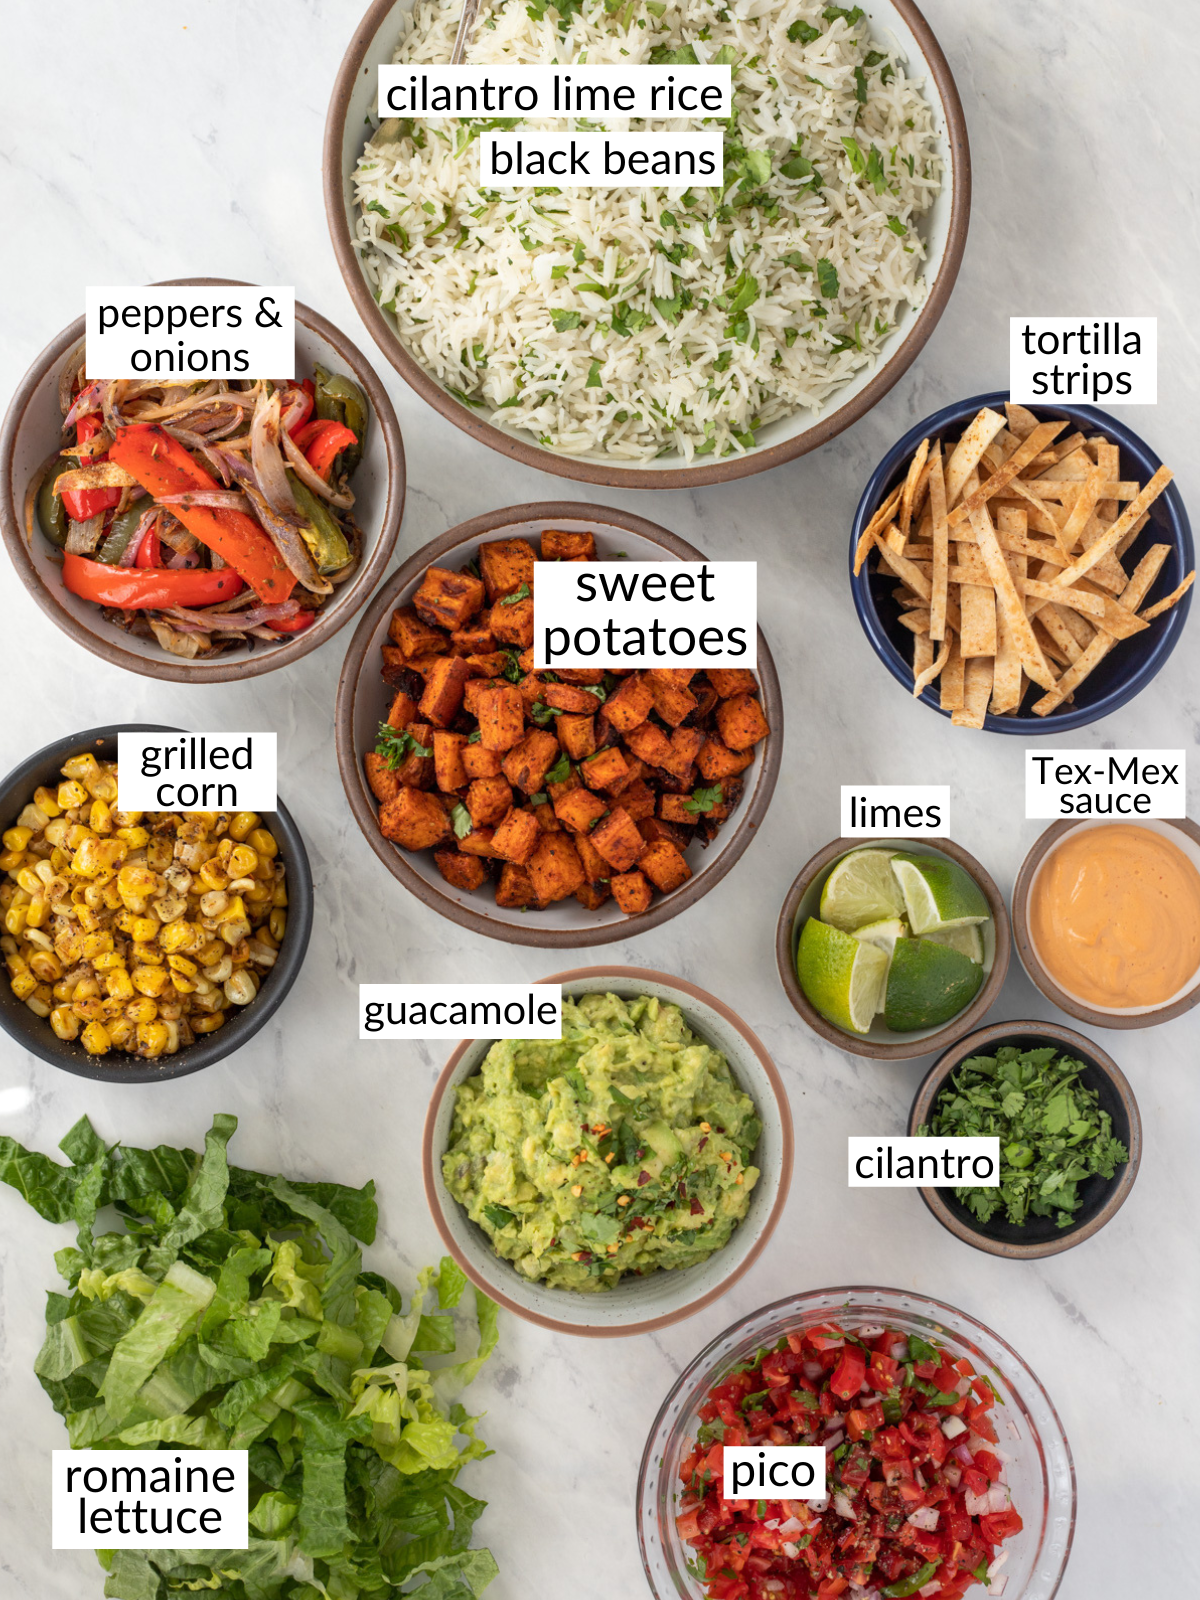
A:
<point x="1102" y="1197"/>
<point x="36" y="1034"/>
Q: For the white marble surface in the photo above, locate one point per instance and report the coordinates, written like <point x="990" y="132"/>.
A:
<point x="153" y="141"/>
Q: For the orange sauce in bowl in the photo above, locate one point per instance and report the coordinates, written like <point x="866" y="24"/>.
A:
<point x="1114" y="914"/>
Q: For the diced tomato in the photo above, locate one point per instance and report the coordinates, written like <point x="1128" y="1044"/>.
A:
<point x="883" y="1372"/>
<point x="827" y="1337"/>
<point x="849" y="1373"/>
<point x="998" y="1525"/>
<point x="975" y="1480"/>
<point x="688" y="1525"/>
<point x="987" y="1462"/>
<point x="981" y="1423"/>
<point x="861" y="1421"/>
<point x="832" y="1587"/>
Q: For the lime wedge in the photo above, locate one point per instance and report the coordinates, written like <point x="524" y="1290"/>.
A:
<point x="938" y="894"/>
<point x="927" y="984"/>
<point x="883" y="935"/>
<point x="967" y="941"/>
<point x="860" y="889"/>
<point x="843" y="977"/>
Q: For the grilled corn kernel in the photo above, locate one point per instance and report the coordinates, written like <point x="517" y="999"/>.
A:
<point x="28" y="880"/>
<point x="172" y="1038"/>
<point x="243" y="858"/>
<point x="159" y="853"/>
<point x="37" y="940"/>
<point x="214" y="904"/>
<point x="220" y="970"/>
<point x="64" y="1022"/>
<point x="37" y="911"/>
<point x="45" y="873"/>
<point x="14" y="918"/>
<point x="96" y="1040"/>
<point x="135" y="838"/>
<point x="177" y="935"/>
<point x="263" y="841"/>
<point x="142" y="929"/>
<point x="16" y="839"/>
<point x="213" y="950"/>
<point x="82" y="766"/>
<point x="182" y="984"/>
<point x="10" y="860"/>
<point x="151" y="1039"/>
<point x="243" y="825"/>
<point x="87" y="1010"/>
<point x="141" y="1010"/>
<point x="45" y="966"/>
<point x="150" y="980"/>
<point x="122" y="1032"/>
<point x="39" y="1007"/>
<point x="213" y="875"/>
<point x="234" y="932"/>
<point x="103" y="788"/>
<point x="100" y="817"/>
<point x="240" y="989"/>
<point x="183" y="965"/>
<point x="44" y="799"/>
<point x="109" y="961"/>
<point x="56" y="832"/>
<point x="208" y="1024"/>
<point x="23" y="984"/>
<point x="70" y="795"/>
<point x="119" y="984"/>
<point x="97" y="944"/>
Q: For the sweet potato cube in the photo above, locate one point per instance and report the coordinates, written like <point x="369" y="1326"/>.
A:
<point x="395" y="670"/>
<point x="729" y="681"/>
<point x="630" y="704"/>
<point x="491" y="663"/>
<point x="478" y="843"/>
<point x="579" y="809"/>
<point x="448" y="599"/>
<point x="527" y="764"/>
<point x="594" y="865"/>
<point x="672" y="701"/>
<point x="706" y="699"/>
<point x="402" y="710"/>
<point x="592" y="895"/>
<point x="558" y="545"/>
<point x="618" y="840"/>
<point x="741" y="722"/>
<point x="414" y="635"/>
<point x="638" y="799"/>
<point x="567" y="697"/>
<point x="476" y="688"/>
<point x="686" y="744"/>
<point x="633" y="772"/>
<point x="501" y="716"/>
<point x="385" y="783"/>
<point x="443" y="697"/>
<point x="716" y="760"/>
<point x="571" y="782"/>
<point x="543" y="815"/>
<point x="577" y="735"/>
<point x="514" y="888"/>
<point x="516" y="837"/>
<point x="579" y="674"/>
<point x="504" y="565"/>
<point x="631" y="891"/>
<point x="473" y="640"/>
<point x="463" y="871"/>
<point x="655" y="828"/>
<point x="606" y="767"/>
<point x="448" y="769"/>
<point x="415" y="820"/>
<point x="663" y="864"/>
<point x="511" y="621"/>
<point x="488" y="801"/>
<point x="479" y="762"/>
<point x="650" y="744"/>
<point x="416" y="770"/>
<point x="554" y="868"/>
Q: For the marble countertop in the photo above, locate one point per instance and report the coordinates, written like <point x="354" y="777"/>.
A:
<point x="160" y="141"/>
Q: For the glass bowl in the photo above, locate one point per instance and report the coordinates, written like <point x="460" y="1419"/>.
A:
<point x="1041" y="1473"/>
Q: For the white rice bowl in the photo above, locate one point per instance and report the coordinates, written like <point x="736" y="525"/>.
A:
<point x="712" y="313"/>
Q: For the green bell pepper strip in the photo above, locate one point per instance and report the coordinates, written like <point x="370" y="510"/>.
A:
<point x="322" y="536"/>
<point x="51" y="513"/>
<point x="123" y="528"/>
<point x="340" y="399"/>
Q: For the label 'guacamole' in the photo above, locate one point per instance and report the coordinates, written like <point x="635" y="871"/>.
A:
<point x="621" y="1148"/>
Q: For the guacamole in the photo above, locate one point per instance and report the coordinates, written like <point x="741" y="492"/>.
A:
<point x="621" y="1148"/>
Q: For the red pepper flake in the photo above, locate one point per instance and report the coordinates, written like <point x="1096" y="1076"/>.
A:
<point x="643" y="1178"/>
<point x="697" y="1208"/>
<point x="701" y="1145"/>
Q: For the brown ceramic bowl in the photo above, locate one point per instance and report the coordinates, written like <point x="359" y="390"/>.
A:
<point x="636" y="1304"/>
<point x="1181" y="832"/>
<point x="1102" y="1197"/>
<point x="363" y="700"/>
<point x="347" y="127"/>
<point x="803" y="900"/>
<point x="32" y="433"/>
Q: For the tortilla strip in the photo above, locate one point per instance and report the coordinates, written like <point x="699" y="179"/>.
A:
<point x="1050" y="648"/>
<point x="1129" y="538"/>
<point x="1006" y="675"/>
<point x="916" y="620"/>
<point x="880" y="520"/>
<point x="922" y="654"/>
<point x="952" y="677"/>
<point x="925" y="678"/>
<point x="910" y="485"/>
<point x="977" y="691"/>
<point x="1085" y="505"/>
<point x="1029" y="650"/>
<point x="1024" y="454"/>
<point x="968" y="451"/>
<point x="1075" y="623"/>
<point x="905" y="569"/>
<point x="977" y="636"/>
<point x="1051" y="619"/>
<point x="1112" y="536"/>
<point x="941" y="546"/>
<point x="1173" y="598"/>
<point x="1092" y="604"/>
<point x="1021" y="421"/>
<point x="895" y="539"/>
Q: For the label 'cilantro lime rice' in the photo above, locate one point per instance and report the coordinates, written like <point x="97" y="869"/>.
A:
<point x="659" y="321"/>
<point x="232" y="1312"/>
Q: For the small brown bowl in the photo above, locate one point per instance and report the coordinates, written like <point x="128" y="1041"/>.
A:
<point x="881" y="1043"/>
<point x="636" y="1304"/>
<point x="32" y="433"/>
<point x="1102" y="1197"/>
<point x="1095" y="1016"/>
<point x="363" y="700"/>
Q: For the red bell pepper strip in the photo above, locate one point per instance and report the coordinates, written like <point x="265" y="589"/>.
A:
<point x="134" y="590"/>
<point x="323" y="441"/>
<point x="308" y="388"/>
<point x="162" y="466"/>
<point x="149" y="552"/>
<point x="83" y="504"/>
<point x="296" y="624"/>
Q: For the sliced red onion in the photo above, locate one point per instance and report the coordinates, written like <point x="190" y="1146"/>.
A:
<point x="999" y="1586"/>
<point x="952" y="1473"/>
<point x="837" y="1420"/>
<point x="899" y="1351"/>
<point x="831" y="1441"/>
<point x="87" y="401"/>
<point x="961" y="1453"/>
<point x="953" y="1426"/>
<point x="83" y="537"/>
<point x="976" y="1443"/>
<point x="818" y="1507"/>
<point x="184" y="560"/>
<point x="791" y="1551"/>
<point x="933" y="1587"/>
<point x="773" y="1585"/>
<point x="212" y="499"/>
<point x="265" y="457"/>
<point x="976" y="1504"/>
<point x="962" y="1387"/>
<point x="793" y="1525"/>
<point x="310" y="476"/>
<point x="223" y="617"/>
<point x="871" y="1331"/>
<point x="812" y="1370"/>
<point x="998" y="1498"/>
<point x="925" y="1518"/>
<point x="865" y="1387"/>
<point x="1001" y="1558"/>
<point x="129" y="554"/>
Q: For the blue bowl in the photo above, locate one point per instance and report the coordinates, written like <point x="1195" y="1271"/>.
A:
<point x="1125" y="671"/>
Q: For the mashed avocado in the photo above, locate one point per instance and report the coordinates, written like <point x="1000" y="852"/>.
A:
<point x="623" y="1147"/>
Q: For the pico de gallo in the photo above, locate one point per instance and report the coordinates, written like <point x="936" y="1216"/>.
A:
<point x="205" y="515"/>
<point x="918" y="1503"/>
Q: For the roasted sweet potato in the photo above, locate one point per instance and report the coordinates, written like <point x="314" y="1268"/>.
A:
<point x="630" y="703"/>
<point x="558" y="545"/>
<point x="526" y="765"/>
<point x="416" y="770"/>
<point x="488" y="801"/>
<point x="554" y="868"/>
<point x="580" y="808"/>
<point x="415" y="820"/>
<point x="731" y="680"/>
<point x="397" y="673"/>
<point x="444" y="686"/>
<point x="633" y="771"/>
<point x="516" y="837"/>
<point x="577" y="674"/>
<point x="478" y="843"/>
<point x="654" y="828"/>
<point x="741" y="722"/>
<point x="504" y="565"/>
<point x="607" y="766"/>
<point x="568" y="697"/>
<point x="716" y="760"/>
<point x="672" y="700"/>
<point x="501" y="716"/>
<point x="592" y="895"/>
<point x="448" y="770"/>
<point x="448" y="599"/>
<point x="631" y="891"/>
<point x="479" y="762"/>
<point x="473" y="640"/>
<point x="385" y="783"/>
<point x="543" y="815"/>
<point x="414" y="635"/>
<point x="577" y="735"/>
<point x="686" y="744"/>
<point x="515" y="888"/>
<point x="403" y="709"/>
<point x="463" y="871"/>
<point x="638" y="799"/>
<point x="491" y="664"/>
<point x="594" y="865"/>
<point x="650" y="744"/>
<point x="511" y="621"/>
<point x="618" y="840"/>
<point x="663" y="864"/>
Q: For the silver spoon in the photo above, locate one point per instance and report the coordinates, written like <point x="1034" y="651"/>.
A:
<point x="465" y="23"/>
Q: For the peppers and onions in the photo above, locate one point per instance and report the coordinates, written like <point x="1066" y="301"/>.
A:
<point x="918" y="1502"/>
<point x="207" y="514"/>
